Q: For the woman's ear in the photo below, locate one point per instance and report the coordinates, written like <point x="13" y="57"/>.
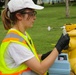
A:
<point x="19" y="16"/>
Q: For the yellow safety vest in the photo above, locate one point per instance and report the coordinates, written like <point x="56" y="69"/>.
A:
<point x="17" y="37"/>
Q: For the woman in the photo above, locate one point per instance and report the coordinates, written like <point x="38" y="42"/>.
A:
<point x="17" y="53"/>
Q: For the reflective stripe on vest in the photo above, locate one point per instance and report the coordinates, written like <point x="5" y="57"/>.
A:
<point x="27" y="72"/>
<point x="18" y="38"/>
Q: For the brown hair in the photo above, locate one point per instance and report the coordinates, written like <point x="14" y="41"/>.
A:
<point x="5" y="19"/>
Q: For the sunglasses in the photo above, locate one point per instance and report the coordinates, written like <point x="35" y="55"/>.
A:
<point x="32" y="13"/>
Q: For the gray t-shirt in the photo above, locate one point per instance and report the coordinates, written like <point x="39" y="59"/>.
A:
<point x="17" y="54"/>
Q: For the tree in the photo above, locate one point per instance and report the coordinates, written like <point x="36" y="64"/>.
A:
<point x="6" y="1"/>
<point x="67" y="9"/>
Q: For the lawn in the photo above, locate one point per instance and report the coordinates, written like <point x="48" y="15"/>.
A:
<point x="53" y="16"/>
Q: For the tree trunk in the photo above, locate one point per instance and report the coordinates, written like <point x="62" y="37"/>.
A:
<point x="67" y="9"/>
<point x="6" y="1"/>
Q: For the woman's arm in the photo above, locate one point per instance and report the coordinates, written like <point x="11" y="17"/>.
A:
<point x="42" y="67"/>
<point x="40" y="55"/>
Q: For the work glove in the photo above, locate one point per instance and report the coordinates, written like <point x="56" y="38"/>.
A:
<point x="66" y="47"/>
<point x="62" y="42"/>
<point x="45" y="55"/>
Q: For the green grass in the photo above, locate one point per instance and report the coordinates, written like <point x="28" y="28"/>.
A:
<point x="53" y="16"/>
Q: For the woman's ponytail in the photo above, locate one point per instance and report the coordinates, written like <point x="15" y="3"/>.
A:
<point x="6" y="19"/>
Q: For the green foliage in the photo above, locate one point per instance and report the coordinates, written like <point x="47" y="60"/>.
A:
<point x="53" y="16"/>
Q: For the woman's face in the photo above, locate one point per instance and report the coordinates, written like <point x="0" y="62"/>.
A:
<point x="29" y="18"/>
